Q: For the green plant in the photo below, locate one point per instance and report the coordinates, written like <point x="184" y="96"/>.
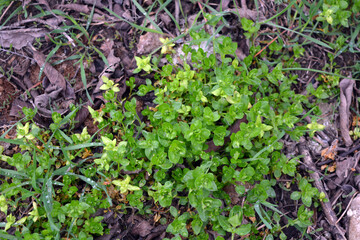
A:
<point x="338" y="12"/>
<point x="45" y="185"/>
<point x="218" y="122"/>
<point x="198" y="103"/>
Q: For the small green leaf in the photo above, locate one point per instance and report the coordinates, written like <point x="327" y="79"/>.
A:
<point x="125" y="185"/>
<point x="295" y="195"/>
<point x="243" y="229"/>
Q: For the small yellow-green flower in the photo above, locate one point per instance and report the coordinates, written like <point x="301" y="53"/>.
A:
<point x="124" y="185"/>
<point x="24" y="131"/>
<point x="143" y="64"/>
<point x="109" y="84"/>
<point x="167" y="48"/>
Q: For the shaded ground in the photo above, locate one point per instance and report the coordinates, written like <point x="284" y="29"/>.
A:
<point x="26" y="44"/>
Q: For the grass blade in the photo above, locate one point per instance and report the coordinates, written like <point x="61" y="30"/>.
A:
<point x="318" y="71"/>
<point x="17" y="186"/>
<point x="303" y="35"/>
<point x="83" y="78"/>
<point x="258" y="211"/>
<point x="47" y="200"/>
<point x="8" y="236"/>
<point x="83" y="145"/>
<point x="13" y="174"/>
<point x="90" y="17"/>
<point x="47" y="59"/>
<point x="133" y="24"/>
<point x="14" y="141"/>
<point x="142" y="10"/>
<point x="92" y="183"/>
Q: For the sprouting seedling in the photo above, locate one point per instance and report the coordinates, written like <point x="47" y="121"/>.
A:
<point x="109" y="84"/>
<point x="124" y="185"/>
<point x="167" y="45"/>
<point x="143" y="64"/>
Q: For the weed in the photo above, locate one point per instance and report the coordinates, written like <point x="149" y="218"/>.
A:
<point x="198" y="103"/>
<point x="35" y="183"/>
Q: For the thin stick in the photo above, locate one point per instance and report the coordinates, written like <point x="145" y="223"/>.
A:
<point x="2" y="16"/>
<point x="267" y="45"/>
<point x="329" y="213"/>
<point x="347" y="208"/>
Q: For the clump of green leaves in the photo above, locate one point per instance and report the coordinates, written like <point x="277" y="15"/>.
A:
<point x="197" y="103"/>
<point x="45" y="184"/>
<point x="338" y="12"/>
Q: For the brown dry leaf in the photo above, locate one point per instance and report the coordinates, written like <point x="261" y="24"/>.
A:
<point x="54" y="76"/>
<point x="107" y="46"/>
<point x="332" y="168"/>
<point x="343" y="168"/>
<point x="56" y="88"/>
<point x="157" y="217"/>
<point x="113" y="193"/>
<point x="356" y="121"/>
<point x="252" y="219"/>
<point x="165" y="18"/>
<point x="323" y="167"/>
<point x="87" y="153"/>
<point x="346" y="91"/>
<point x="330" y="152"/>
<point x="141" y="227"/>
<point x="76" y="7"/>
<point x="148" y="42"/>
<point x="19" y="38"/>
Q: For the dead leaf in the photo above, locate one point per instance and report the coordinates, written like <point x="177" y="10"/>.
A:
<point x="19" y="65"/>
<point x="97" y="3"/>
<point x="141" y="227"/>
<point x="76" y="7"/>
<point x="107" y="46"/>
<point x="53" y="75"/>
<point x="343" y="168"/>
<point x="246" y="13"/>
<point x="346" y="90"/>
<point x="57" y="89"/>
<point x="330" y="152"/>
<point x="148" y="42"/>
<point x="19" y="38"/>
<point x="355" y="121"/>
<point x="332" y="168"/>
<point x="157" y="217"/>
<point x="166" y="19"/>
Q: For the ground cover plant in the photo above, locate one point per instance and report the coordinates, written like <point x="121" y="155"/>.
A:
<point x="201" y="132"/>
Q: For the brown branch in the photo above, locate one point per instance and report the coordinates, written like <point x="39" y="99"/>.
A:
<point x="327" y="208"/>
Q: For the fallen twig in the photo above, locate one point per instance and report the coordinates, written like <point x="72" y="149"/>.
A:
<point x="329" y="213"/>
